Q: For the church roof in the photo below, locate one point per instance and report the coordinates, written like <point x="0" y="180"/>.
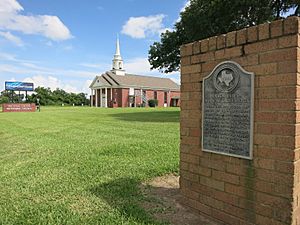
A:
<point x="109" y="79"/>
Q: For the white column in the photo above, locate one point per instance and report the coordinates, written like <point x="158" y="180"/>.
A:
<point x="100" y="97"/>
<point x="141" y="94"/>
<point x="134" y="98"/>
<point x="92" y="97"/>
<point x="105" y="98"/>
<point x="97" y="98"/>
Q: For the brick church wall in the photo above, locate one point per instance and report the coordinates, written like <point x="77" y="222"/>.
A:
<point x="122" y="96"/>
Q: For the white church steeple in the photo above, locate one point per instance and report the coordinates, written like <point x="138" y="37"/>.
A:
<point x="117" y="67"/>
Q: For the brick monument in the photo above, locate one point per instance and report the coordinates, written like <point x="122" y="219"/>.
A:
<point x="258" y="180"/>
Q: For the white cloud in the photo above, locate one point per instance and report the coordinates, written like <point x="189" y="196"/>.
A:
<point x="49" y="43"/>
<point x="44" y="81"/>
<point x="24" y="67"/>
<point x="71" y="89"/>
<point x="12" y="58"/>
<point x="31" y="65"/>
<point x="9" y="6"/>
<point x="49" y="26"/>
<point x="86" y="87"/>
<point x="77" y="73"/>
<point x="68" y="48"/>
<point x="91" y="65"/>
<point x="186" y="4"/>
<point x="12" y="79"/>
<point x="53" y="83"/>
<point x="7" y="56"/>
<point x="70" y="80"/>
<point x="141" y="66"/>
<point x="138" y="66"/>
<point x="18" y="66"/>
<point x="140" y="27"/>
<point x="12" y="38"/>
<point x="7" y="68"/>
<point x="99" y="66"/>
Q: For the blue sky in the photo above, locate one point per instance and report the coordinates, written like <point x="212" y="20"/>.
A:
<point x="64" y="44"/>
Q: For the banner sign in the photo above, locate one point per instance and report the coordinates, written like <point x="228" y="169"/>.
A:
<point x="18" y="86"/>
<point x="18" y="107"/>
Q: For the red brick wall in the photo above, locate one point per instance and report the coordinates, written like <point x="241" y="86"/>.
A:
<point x="122" y="95"/>
<point x="149" y="94"/>
<point x="118" y="96"/>
<point x="125" y="97"/>
<point x="265" y="190"/>
<point x="109" y="101"/>
<point x="160" y="96"/>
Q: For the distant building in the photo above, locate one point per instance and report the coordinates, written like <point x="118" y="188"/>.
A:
<point x="116" y="88"/>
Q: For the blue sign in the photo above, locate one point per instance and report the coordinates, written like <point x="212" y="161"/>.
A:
<point x="18" y="86"/>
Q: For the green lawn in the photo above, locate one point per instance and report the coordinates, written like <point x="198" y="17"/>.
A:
<point x="83" y="165"/>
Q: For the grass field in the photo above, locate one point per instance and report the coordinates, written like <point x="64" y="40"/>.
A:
<point x="83" y="165"/>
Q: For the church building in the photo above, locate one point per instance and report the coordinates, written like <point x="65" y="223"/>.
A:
<point x="116" y="88"/>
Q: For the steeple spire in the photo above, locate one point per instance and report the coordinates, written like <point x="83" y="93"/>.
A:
<point x="118" y="47"/>
<point x="117" y="66"/>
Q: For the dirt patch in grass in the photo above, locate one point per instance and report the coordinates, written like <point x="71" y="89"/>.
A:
<point x="162" y="200"/>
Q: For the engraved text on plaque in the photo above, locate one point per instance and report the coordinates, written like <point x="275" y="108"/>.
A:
<point x="227" y="118"/>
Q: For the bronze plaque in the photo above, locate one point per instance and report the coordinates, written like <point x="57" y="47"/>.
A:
<point x="227" y="116"/>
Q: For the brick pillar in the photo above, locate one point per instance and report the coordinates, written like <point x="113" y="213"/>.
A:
<point x="266" y="189"/>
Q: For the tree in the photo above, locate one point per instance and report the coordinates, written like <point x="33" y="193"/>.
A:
<point x="44" y="94"/>
<point x="206" y="18"/>
<point x="57" y="97"/>
<point x="47" y="97"/>
<point x="4" y="99"/>
<point x="8" y="96"/>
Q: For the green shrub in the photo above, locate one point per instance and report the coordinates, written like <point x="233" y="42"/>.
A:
<point x="153" y="102"/>
<point x="4" y="99"/>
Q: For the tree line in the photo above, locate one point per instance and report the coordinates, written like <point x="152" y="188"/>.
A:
<point x="205" y="18"/>
<point x="46" y="97"/>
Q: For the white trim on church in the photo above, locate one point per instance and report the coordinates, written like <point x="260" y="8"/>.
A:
<point x="118" y="65"/>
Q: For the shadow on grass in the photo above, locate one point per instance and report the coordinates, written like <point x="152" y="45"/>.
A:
<point x="161" y="116"/>
<point x="125" y="196"/>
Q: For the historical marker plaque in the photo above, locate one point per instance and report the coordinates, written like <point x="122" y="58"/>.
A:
<point x="227" y="116"/>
